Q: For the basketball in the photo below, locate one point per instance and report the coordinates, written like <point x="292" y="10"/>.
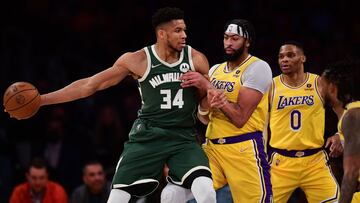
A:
<point x="21" y="100"/>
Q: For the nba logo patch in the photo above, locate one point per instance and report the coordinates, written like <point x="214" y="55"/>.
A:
<point x="237" y="73"/>
<point x="309" y="86"/>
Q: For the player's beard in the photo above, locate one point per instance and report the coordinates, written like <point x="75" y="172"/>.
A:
<point x="235" y="56"/>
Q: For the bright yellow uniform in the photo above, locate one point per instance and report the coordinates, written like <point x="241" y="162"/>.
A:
<point x="237" y="155"/>
<point x="220" y="125"/>
<point x="351" y="105"/>
<point x="297" y="122"/>
<point x="356" y="104"/>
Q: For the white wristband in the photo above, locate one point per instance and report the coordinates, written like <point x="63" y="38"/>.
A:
<point x="203" y="113"/>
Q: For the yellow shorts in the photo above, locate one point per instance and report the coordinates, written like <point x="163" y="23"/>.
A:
<point x="242" y="165"/>
<point x="310" y="173"/>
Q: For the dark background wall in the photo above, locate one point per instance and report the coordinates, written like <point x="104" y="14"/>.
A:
<point x="52" y="43"/>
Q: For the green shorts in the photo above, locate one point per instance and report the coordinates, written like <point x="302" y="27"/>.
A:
<point x="148" y="150"/>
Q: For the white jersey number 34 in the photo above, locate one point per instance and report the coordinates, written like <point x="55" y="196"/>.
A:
<point x="167" y="99"/>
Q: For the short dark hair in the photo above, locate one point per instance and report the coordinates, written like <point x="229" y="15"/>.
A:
<point x="295" y="43"/>
<point x="247" y="26"/>
<point x="38" y="163"/>
<point x="166" y="14"/>
<point x="89" y="163"/>
<point x="345" y="75"/>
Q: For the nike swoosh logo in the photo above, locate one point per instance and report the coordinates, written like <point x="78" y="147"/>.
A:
<point x="243" y="149"/>
<point x="154" y="66"/>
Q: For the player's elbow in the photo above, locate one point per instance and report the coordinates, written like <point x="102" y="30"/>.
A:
<point x="87" y="89"/>
<point x="91" y="85"/>
<point x="87" y="92"/>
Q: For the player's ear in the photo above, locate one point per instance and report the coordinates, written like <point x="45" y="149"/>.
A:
<point x="247" y="43"/>
<point x="303" y="58"/>
<point x="161" y="33"/>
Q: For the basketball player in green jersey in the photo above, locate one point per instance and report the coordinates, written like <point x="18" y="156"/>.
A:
<point x="297" y="123"/>
<point x="340" y="82"/>
<point x="164" y="132"/>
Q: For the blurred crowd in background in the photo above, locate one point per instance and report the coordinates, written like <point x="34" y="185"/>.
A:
<point x="52" y="43"/>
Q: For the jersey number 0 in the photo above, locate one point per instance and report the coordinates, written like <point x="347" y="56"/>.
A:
<point x="295" y="120"/>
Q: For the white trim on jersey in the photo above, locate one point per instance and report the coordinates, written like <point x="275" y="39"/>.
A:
<point x="138" y="182"/>
<point x="192" y="67"/>
<point x="166" y="63"/>
<point x="148" y="67"/>
<point x="213" y="68"/>
<point x="187" y="174"/>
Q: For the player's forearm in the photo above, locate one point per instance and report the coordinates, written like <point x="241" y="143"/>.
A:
<point x="76" y="90"/>
<point x="201" y="93"/>
<point x="348" y="186"/>
<point x="203" y="86"/>
<point x="204" y="104"/>
<point x="234" y="113"/>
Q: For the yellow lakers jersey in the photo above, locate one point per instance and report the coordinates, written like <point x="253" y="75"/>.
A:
<point x="230" y="82"/>
<point x="349" y="106"/>
<point x="297" y="115"/>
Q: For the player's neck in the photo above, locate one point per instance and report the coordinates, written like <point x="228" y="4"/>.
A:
<point x="295" y="79"/>
<point x="166" y="54"/>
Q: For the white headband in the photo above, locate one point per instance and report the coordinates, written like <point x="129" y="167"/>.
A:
<point x="236" y="29"/>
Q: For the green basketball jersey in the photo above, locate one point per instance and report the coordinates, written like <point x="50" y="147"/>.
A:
<point x="164" y="102"/>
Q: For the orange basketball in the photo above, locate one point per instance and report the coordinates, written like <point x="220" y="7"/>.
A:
<point x="21" y="100"/>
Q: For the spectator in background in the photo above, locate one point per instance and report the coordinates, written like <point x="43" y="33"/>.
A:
<point x="96" y="188"/>
<point x="60" y="151"/>
<point x="38" y="188"/>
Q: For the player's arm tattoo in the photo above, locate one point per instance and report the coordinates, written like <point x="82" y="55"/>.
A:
<point x="234" y="113"/>
<point x="351" y="130"/>
<point x="235" y="106"/>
